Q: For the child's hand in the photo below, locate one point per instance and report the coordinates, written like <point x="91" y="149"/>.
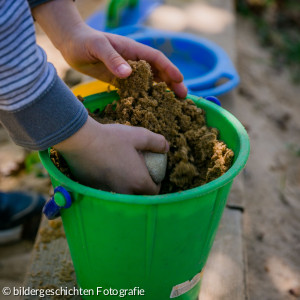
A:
<point x="104" y="55"/>
<point x="108" y="157"/>
<point x="97" y="54"/>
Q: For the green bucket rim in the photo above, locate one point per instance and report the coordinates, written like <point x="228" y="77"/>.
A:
<point x="237" y="166"/>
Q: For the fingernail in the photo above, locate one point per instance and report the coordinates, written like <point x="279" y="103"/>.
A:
<point x="123" y="70"/>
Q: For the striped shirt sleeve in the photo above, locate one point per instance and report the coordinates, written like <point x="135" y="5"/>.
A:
<point x="36" y="107"/>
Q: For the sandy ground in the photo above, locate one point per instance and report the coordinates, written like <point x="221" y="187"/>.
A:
<point x="269" y="106"/>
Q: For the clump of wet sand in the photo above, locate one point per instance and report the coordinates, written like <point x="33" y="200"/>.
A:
<point x="196" y="155"/>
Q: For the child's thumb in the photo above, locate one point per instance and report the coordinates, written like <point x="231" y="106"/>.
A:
<point x="146" y="140"/>
<point x="113" y="60"/>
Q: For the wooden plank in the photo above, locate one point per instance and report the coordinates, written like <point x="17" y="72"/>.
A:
<point x="51" y="266"/>
<point x="236" y="197"/>
<point x="224" y="274"/>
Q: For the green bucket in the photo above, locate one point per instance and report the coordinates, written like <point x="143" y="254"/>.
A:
<point x="155" y="244"/>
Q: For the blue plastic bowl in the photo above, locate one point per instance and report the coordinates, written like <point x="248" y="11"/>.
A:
<point x="202" y="62"/>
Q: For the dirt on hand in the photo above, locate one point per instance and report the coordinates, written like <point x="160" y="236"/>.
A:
<point x="196" y="155"/>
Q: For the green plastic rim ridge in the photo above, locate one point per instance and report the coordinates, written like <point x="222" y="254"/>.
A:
<point x="237" y="166"/>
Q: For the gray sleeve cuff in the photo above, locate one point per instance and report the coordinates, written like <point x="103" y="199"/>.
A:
<point x="53" y="117"/>
<point x="34" y="3"/>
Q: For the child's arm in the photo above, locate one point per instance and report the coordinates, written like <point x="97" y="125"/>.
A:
<point x="36" y="107"/>
<point x="100" y="55"/>
<point x="38" y="111"/>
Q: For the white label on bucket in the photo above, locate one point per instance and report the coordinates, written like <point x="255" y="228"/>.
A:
<point x="184" y="287"/>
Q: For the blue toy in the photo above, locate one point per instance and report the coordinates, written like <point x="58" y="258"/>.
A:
<point x="202" y="62"/>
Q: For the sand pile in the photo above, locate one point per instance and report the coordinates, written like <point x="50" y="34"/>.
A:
<point x="196" y="155"/>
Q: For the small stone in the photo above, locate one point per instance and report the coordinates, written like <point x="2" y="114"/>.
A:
<point x="157" y="165"/>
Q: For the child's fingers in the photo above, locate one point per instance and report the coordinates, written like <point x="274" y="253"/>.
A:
<point x="150" y="188"/>
<point x="179" y="89"/>
<point x="105" y="52"/>
<point x="145" y="140"/>
<point x="138" y="181"/>
<point x="133" y="50"/>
